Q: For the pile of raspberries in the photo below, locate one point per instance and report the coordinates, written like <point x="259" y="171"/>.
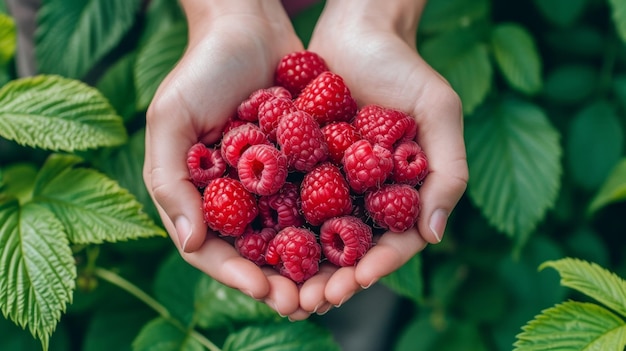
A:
<point x="303" y="175"/>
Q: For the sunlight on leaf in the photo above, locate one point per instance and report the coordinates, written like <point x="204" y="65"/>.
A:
<point x="613" y="190"/>
<point x="37" y="269"/>
<point x="593" y="281"/>
<point x="57" y="113"/>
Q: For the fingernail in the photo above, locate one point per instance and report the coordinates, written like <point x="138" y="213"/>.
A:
<point x="345" y="298"/>
<point x="369" y="285"/>
<point x="249" y="293"/>
<point x="438" y="223"/>
<point x="272" y="305"/>
<point x="183" y="230"/>
<point x="322" y="310"/>
<point x="318" y="306"/>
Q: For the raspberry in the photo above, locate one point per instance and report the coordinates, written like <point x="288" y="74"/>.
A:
<point x="301" y="139"/>
<point x="345" y="240"/>
<point x="295" y="253"/>
<point x="327" y="99"/>
<point x="205" y="164"/>
<point x="297" y="69"/>
<point x="338" y="136"/>
<point x="410" y="165"/>
<point x="270" y="113"/>
<point x="384" y="126"/>
<point x="324" y="194"/>
<point x="394" y="206"/>
<point x="238" y="139"/>
<point x="252" y="244"/>
<point x="282" y="209"/>
<point x="228" y="207"/>
<point x="262" y="169"/>
<point x="233" y="123"/>
<point x="248" y="110"/>
<point x="366" y="166"/>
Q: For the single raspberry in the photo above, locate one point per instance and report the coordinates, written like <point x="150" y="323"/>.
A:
<point x="345" y="240"/>
<point x="238" y="139"/>
<point x="204" y="164"/>
<point x="327" y="99"/>
<point x="301" y="139"/>
<point x="338" y="136"/>
<point x="270" y="113"/>
<point x="384" y="126"/>
<point x="410" y="165"/>
<point x="228" y="207"/>
<point x="324" y="193"/>
<point x="394" y="206"/>
<point x="366" y="166"/>
<point x="282" y="209"/>
<point x="262" y="169"/>
<point x="252" y="244"/>
<point x="297" y="69"/>
<point x="295" y="253"/>
<point x="248" y="110"/>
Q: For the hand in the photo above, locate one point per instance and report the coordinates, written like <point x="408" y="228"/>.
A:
<point x="233" y="49"/>
<point x="374" y="51"/>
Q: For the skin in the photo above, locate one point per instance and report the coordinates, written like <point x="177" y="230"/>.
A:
<point x="233" y="49"/>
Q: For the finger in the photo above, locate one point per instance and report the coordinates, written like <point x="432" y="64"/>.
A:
<point x="312" y="295"/>
<point x="390" y="253"/>
<point x="299" y="315"/>
<point x="342" y="286"/>
<point x="283" y="295"/>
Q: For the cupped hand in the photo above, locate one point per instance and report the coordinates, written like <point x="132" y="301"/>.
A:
<point x="232" y="50"/>
<point x="380" y="64"/>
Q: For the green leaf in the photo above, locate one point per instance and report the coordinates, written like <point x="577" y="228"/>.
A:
<point x="561" y="12"/>
<point x="19" y="179"/>
<point x="159" y="15"/>
<point x="301" y="336"/>
<point x="161" y="335"/>
<point x="593" y="281"/>
<point x="514" y="158"/>
<point x="407" y="281"/>
<point x="573" y="326"/>
<point x="37" y="269"/>
<point x="613" y="190"/>
<point x="618" y="12"/>
<point x="74" y="35"/>
<point x="118" y="86"/>
<point x="594" y="144"/>
<point x="570" y="83"/>
<point x="57" y="113"/>
<point x="8" y="39"/>
<point x="517" y="57"/>
<point x="156" y="59"/>
<point x="16" y="339"/>
<point x="442" y="16"/>
<point x="128" y="321"/>
<point x="92" y="207"/>
<point x="463" y="59"/>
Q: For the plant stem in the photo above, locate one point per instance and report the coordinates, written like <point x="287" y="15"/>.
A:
<point x="132" y="289"/>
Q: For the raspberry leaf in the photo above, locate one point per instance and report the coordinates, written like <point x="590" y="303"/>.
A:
<point x="517" y="57"/>
<point x="613" y="190"/>
<point x="514" y="158"/>
<point x="155" y="60"/>
<point x="57" y="113"/>
<point x="72" y="36"/>
<point x="286" y="336"/>
<point x="441" y="16"/>
<point x="37" y="269"/>
<point x="92" y="207"/>
<point x="161" y="334"/>
<point x="407" y="280"/>
<point x="8" y="39"/>
<point x="118" y="86"/>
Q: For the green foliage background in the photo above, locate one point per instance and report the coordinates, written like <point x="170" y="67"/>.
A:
<point x="543" y="86"/>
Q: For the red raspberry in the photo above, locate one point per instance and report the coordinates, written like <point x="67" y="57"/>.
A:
<point x="295" y="253"/>
<point x="394" y="206"/>
<point x="410" y="165"/>
<point x="248" y="110"/>
<point x="233" y="122"/>
<point x="252" y="244"/>
<point x="270" y="113"/>
<point x="338" y="136"/>
<point x="262" y="169"/>
<point x="384" y="126"/>
<point x="296" y="70"/>
<point x="238" y="139"/>
<point x="345" y="240"/>
<point x="282" y="209"/>
<point x="324" y="194"/>
<point x="228" y="207"/>
<point x="301" y="139"/>
<point x="366" y="166"/>
<point x="327" y="99"/>
<point x="204" y="164"/>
